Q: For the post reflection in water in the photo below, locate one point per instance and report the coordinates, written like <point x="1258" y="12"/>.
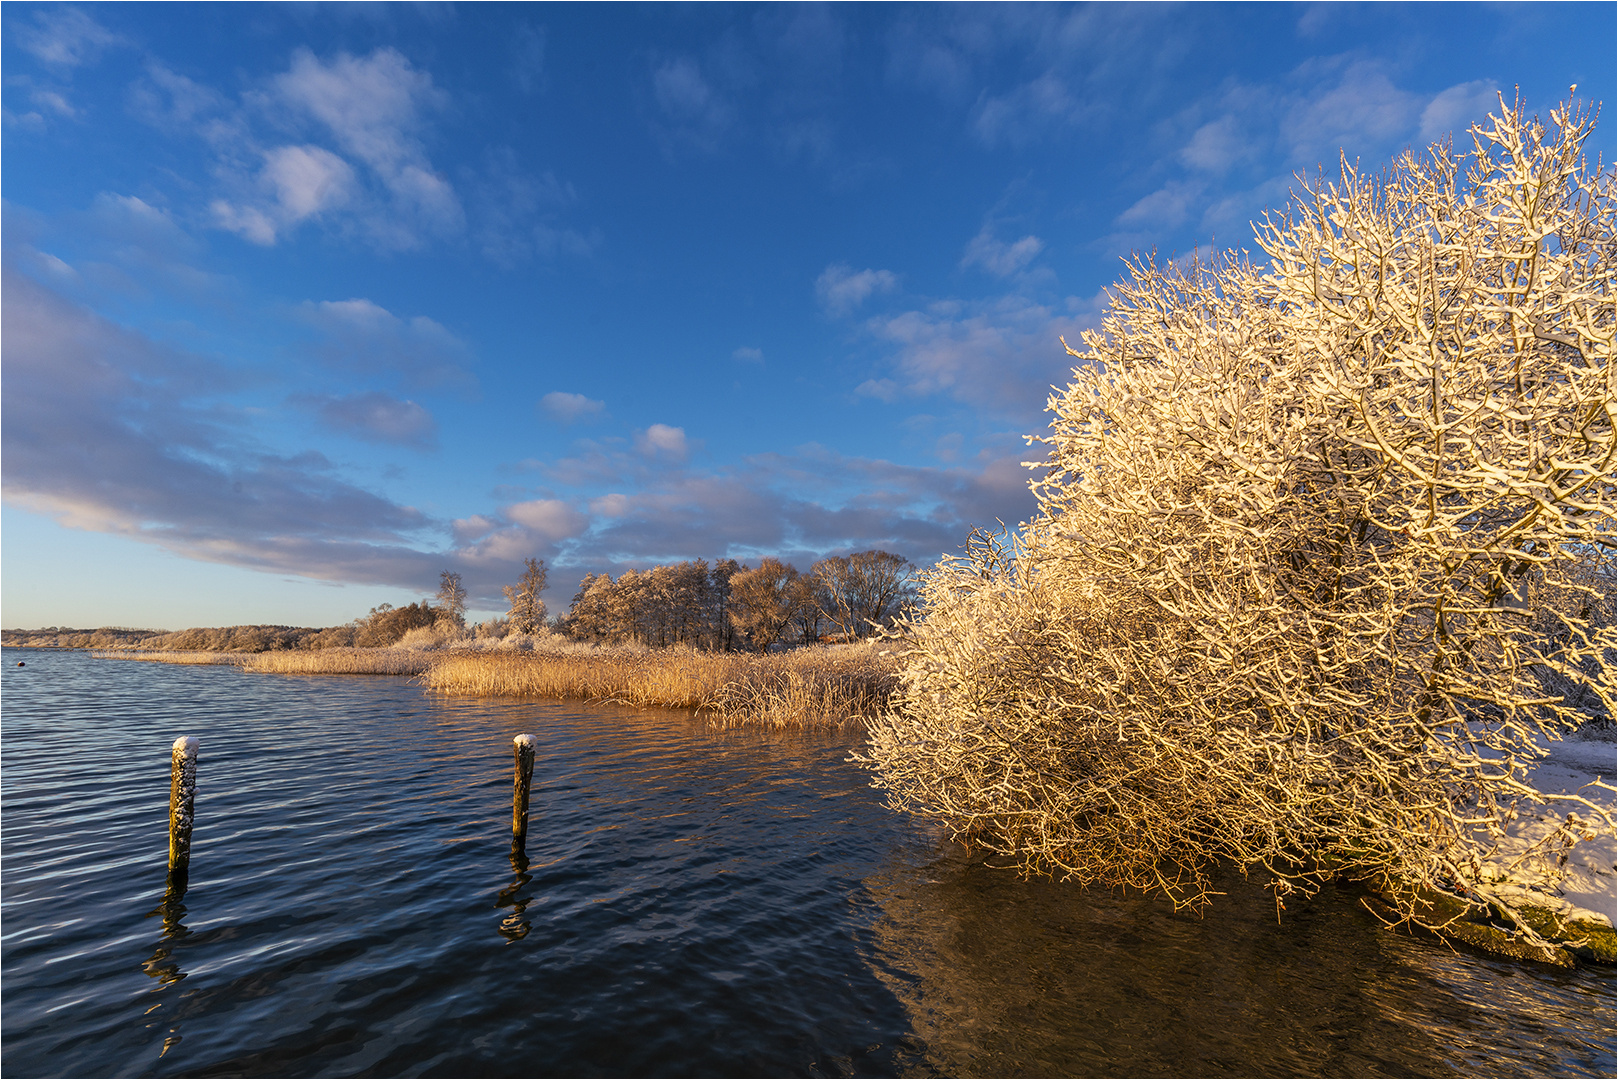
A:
<point x="515" y="927"/>
<point x="162" y="966"/>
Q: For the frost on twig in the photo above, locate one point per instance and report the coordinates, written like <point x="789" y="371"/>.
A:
<point x="1324" y="549"/>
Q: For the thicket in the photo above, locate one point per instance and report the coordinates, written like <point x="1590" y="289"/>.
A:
<point x="1323" y="551"/>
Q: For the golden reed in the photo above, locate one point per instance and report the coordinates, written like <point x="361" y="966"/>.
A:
<point x="172" y="656"/>
<point x="811" y="687"/>
<point x="818" y="686"/>
<point x="342" y="661"/>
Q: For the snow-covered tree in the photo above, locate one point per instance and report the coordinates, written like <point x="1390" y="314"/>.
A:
<point x="527" y="608"/>
<point x="1277" y="605"/>
<point x="451" y="600"/>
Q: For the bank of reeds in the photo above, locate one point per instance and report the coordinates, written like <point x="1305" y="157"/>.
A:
<point x="818" y="686"/>
<point x="340" y="661"/>
<point x="810" y="687"/>
<point x="173" y="656"/>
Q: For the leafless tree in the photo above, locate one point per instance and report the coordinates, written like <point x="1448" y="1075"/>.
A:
<point x="527" y="608"/>
<point x="451" y="600"/>
<point x="764" y="600"/>
<point x="863" y="591"/>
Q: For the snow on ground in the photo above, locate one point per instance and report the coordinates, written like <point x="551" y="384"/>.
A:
<point x="1589" y="885"/>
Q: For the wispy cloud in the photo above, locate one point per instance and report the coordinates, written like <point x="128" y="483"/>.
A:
<point x="569" y="408"/>
<point x="999" y="257"/>
<point x="691" y="113"/>
<point x="358" y="162"/>
<point x="1241" y="149"/>
<point x="841" y="289"/>
<point x="528" y="57"/>
<point x="1455" y="109"/>
<point x="107" y="430"/>
<point x="365" y="337"/>
<point x="520" y="212"/>
<point x="1029" y="111"/>
<point x="803" y="506"/>
<point x="1000" y="355"/>
<point x="63" y="37"/>
<point x="375" y="417"/>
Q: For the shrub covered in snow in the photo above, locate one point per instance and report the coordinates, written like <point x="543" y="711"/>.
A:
<point x="1276" y="606"/>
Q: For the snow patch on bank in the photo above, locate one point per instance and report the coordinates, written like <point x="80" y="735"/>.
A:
<point x="1587" y="887"/>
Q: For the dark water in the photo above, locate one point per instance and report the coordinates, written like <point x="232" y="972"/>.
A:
<point x="699" y="902"/>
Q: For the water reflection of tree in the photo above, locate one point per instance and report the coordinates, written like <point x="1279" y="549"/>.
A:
<point x="1004" y="977"/>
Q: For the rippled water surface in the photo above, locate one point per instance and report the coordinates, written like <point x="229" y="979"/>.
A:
<point x="698" y="902"/>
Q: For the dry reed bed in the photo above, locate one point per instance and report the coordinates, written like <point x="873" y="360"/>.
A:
<point x="340" y="661"/>
<point x="827" y="686"/>
<point x="173" y="656"/>
<point x="814" y="687"/>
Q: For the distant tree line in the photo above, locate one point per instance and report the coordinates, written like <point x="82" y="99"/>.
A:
<point x="729" y="605"/>
<point x="384" y="625"/>
<point x="724" y="607"/>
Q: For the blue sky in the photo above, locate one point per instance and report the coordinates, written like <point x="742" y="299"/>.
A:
<point x="306" y="303"/>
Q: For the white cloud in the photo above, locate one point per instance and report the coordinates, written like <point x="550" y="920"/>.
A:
<point x="107" y="430"/>
<point x="1166" y="208"/>
<point x="517" y="211"/>
<point x="568" y="408"/>
<point x="1028" y="111"/>
<point x="31" y="120"/>
<point x="64" y="37"/>
<point x="364" y="336"/>
<point x="372" y="104"/>
<point x="377" y="417"/>
<point x="168" y="100"/>
<point x="998" y="257"/>
<point x="373" y="107"/>
<point x="749" y="354"/>
<point x="841" y="289"/>
<point x="1216" y="145"/>
<point x="610" y="505"/>
<point x="249" y="222"/>
<point x="1456" y="109"/>
<point x="296" y="183"/>
<point x="1001" y="356"/>
<point x="662" y="440"/>
<point x="53" y="102"/>
<point x="880" y="389"/>
<point x="694" y="113"/>
<point x="470" y="529"/>
<point x="551" y="519"/>
<point x="343" y="141"/>
<point x="307" y="180"/>
<point x="372" y="110"/>
<point x="1362" y="112"/>
<point x="528" y="57"/>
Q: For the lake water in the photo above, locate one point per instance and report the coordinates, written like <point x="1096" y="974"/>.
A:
<point x="697" y="902"/>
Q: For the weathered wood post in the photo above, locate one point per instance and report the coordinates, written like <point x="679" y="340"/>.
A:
<point x="522" y="752"/>
<point x="182" y="794"/>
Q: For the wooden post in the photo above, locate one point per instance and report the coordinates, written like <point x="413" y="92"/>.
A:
<point x="522" y="752"/>
<point x="182" y="794"/>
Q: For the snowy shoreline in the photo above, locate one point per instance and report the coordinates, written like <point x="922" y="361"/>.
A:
<point x="1588" y="889"/>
